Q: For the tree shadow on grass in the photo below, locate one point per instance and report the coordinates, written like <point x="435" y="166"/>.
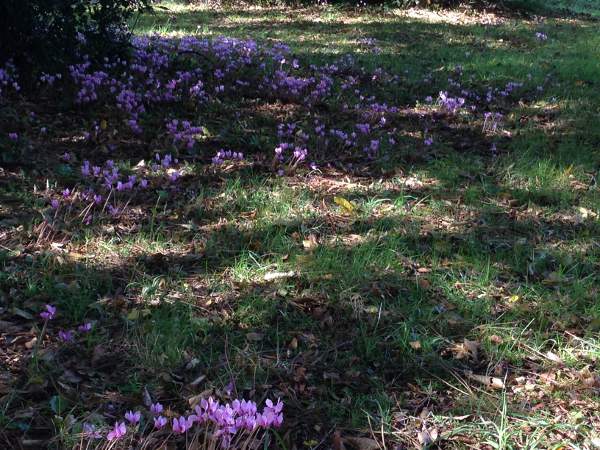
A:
<point x="335" y="323"/>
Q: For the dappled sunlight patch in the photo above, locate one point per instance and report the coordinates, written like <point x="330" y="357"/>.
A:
<point x="451" y="17"/>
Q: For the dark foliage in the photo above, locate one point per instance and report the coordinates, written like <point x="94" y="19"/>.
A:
<point x="44" y="35"/>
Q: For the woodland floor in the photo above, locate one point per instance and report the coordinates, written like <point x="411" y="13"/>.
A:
<point x="453" y="301"/>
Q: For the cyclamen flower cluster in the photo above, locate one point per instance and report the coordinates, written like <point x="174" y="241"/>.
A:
<point x="198" y="75"/>
<point x="50" y="79"/>
<point x="8" y="78"/>
<point x="450" y="104"/>
<point x="106" y="181"/>
<point x="371" y="44"/>
<point x="287" y="153"/>
<point x="226" y="155"/>
<point x="492" y="121"/>
<point x="223" y="422"/>
<point x="49" y="313"/>
<point x="183" y="133"/>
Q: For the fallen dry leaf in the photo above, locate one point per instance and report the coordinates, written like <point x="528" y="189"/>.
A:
<point x="416" y="345"/>
<point x="361" y="443"/>
<point x="490" y="382"/>
<point x="554" y="357"/>
<point x="427" y="437"/>
<point x="255" y="337"/>
<point x="466" y="350"/>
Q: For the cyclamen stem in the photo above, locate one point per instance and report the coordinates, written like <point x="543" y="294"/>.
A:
<point x="37" y="344"/>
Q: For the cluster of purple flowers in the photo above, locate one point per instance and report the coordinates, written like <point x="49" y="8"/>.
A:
<point x="226" y="155"/>
<point x="49" y="79"/>
<point x="183" y="133"/>
<point x="8" y="78"/>
<point x="105" y="182"/>
<point x="371" y="44"/>
<point x="450" y="104"/>
<point x="191" y="75"/>
<point x="290" y="154"/>
<point x="88" y="82"/>
<point x="492" y="121"/>
<point x="49" y="313"/>
<point x="223" y="422"/>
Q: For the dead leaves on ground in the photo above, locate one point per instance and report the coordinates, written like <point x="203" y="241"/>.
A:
<point x="340" y="442"/>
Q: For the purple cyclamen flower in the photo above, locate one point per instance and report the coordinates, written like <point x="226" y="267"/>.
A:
<point x="182" y="424"/>
<point x="66" y="193"/>
<point x="65" y="335"/>
<point x="13" y="136"/>
<point x="85" y="169"/>
<point x="85" y="328"/>
<point x="156" y="408"/>
<point x="113" y="210"/>
<point x="428" y="142"/>
<point x="143" y="183"/>
<point x="54" y="203"/>
<point x="277" y="407"/>
<point x="117" y="432"/>
<point x="159" y="422"/>
<point x="49" y="313"/>
<point x="133" y="417"/>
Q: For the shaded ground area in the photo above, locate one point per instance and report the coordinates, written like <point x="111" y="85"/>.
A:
<point x="453" y="301"/>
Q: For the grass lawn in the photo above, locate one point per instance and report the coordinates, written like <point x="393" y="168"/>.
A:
<point x="444" y="292"/>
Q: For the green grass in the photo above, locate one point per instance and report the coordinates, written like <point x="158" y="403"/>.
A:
<point x="356" y="320"/>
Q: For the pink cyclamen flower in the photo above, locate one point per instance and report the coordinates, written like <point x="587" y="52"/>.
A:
<point x="85" y="328"/>
<point x="182" y="424"/>
<point x="117" y="432"/>
<point x="160" y="422"/>
<point x="133" y="417"/>
<point x="65" y="335"/>
<point x="277" y="407"/>
<point x="49" y="313"/>
<point x="156" y="408"/>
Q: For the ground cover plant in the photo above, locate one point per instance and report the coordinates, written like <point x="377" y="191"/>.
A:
<point x="311" y="227"/>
